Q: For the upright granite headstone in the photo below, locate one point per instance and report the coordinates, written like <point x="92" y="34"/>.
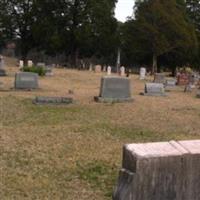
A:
<point x="170" y="84"/>
<point x="159" y="78"/>
<point x="154" y="89"/>
<point x="160" y="171"/>
<point x="114" y="89"/>
<point x="26" y="80"/>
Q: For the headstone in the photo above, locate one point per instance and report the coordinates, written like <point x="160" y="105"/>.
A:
<point x="183" y="79"/>
<point x="198" y="93"/>
<point x="49" y="71"/>
<point x="104" y="68"/>
<point x="159" y="78"/>
<point x="53" y="100"/>
<point x="2" y="67"/>
<point x="30" y="63"/>
<point x="109" y="70"/>
<point x="114" y="89"/>
<point x="160" y="171"/>
<point x="154" y="89"/>
<point x="97" y="68"/>
<point x="26" y="80"/>
<point x="170" y="84"/>
<point x="122" y="71"/>
<point x="21" y="63"/>
<point x="90" y="68"/>
<point x="142" y="73"/>
<point x="40" y="64"/>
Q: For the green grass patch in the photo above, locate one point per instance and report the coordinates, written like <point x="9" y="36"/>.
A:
<point x="99" y="175"/>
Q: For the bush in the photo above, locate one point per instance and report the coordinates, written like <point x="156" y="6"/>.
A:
<point x="38" y="70"/>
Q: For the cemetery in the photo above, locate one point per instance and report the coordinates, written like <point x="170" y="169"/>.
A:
<point x="42" y="142"/>
<point x="100" y="100"/>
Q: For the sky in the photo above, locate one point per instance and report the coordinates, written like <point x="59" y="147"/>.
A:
<point x="124" y="9"/>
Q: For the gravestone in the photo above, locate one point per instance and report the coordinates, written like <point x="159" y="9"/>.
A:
<point x="170" y="84"/>
<point x="109" y="70"/>
<point x="142" y="73"/>
<point x="21" y="64"/>
<point x="114" y="89"/>
<point x="122" y="71"/>
<point x="104" y="68"/>
<point x="30" y="63"/>
<point x="160" y="171"/>
<point x="159" y="78"/>
<point x="97" y="68"/>
<point x="183" y="79"/>
<point x="2" y="67"/>
<point x="26" y="80"/>
<point x="90" y="68"/>
<point x="154" y="89"/>
<point x="48" y="71"/>
<point x="41" y="64"/>
<point x="52" y="100"/>
<point x="198" y="93"/>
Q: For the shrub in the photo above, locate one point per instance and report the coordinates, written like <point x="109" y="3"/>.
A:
<point x="38" y="70"/>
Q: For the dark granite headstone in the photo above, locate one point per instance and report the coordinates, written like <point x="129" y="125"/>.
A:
<point x="160" y="171"/>
<point x="53" y="100"/>
<point x="159" y="78"/>
<point x="26" y="80"/>
<point x="114" y="89"/>
<point x="2" y="72"/>
<point x="198" y="93"/>
<point x="154" y="89"/>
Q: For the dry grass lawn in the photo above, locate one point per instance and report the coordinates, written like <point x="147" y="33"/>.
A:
<point x="74" y="152"/>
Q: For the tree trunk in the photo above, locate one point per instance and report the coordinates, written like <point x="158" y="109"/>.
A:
<point x="155" y="64"/>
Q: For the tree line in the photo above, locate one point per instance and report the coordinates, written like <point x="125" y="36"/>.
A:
<point x="161" y="33"/>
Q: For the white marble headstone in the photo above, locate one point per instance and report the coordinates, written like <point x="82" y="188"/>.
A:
<point x="109" y="70"/>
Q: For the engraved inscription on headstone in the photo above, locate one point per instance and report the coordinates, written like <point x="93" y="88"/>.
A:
<point x="114" y="89"/>
<point x="53" y="100"/>
<point x="26" y="80"/>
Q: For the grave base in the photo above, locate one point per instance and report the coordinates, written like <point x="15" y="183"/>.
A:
<point x="154" y="94"/>
<point x="112" y="100"/>
<point x="52" y="100"/>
